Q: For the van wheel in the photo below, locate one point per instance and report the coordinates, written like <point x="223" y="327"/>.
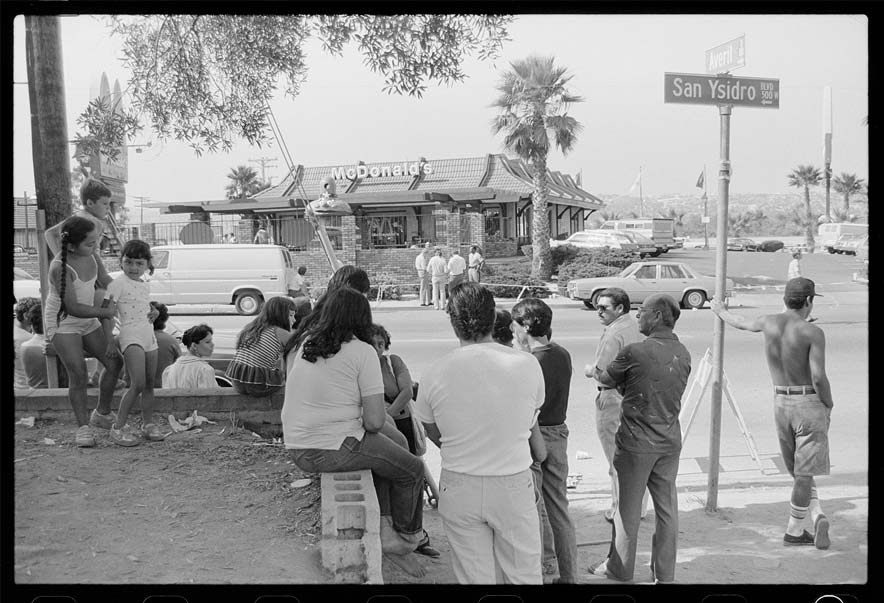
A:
<point x="248" y="303"/>
<point x="694" y="299"/>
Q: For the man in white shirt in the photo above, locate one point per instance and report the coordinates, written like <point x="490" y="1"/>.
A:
<point x="475" y="262"/>
<point x="437" y="268"/>
<point x="420" y="264"/>
<point x="456" y="269"/>
<point x="794" y="266"/>
<point x="481" y="417"/>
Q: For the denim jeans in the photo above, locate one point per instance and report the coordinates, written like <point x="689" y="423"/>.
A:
<point x="556" y="526"/>
<point x="398" y="474"/>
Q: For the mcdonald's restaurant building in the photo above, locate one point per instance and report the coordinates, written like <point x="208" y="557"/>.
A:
<point x="451" y="203"/>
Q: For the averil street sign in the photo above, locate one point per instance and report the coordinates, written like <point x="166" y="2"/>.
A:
<point x="726" y="57"/>
<point x="700" y="89"/>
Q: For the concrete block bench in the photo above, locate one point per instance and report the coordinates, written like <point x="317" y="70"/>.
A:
<point x="351" y="522"/>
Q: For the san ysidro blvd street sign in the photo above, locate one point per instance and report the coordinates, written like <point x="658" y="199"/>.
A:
<point x="698" y="89"/>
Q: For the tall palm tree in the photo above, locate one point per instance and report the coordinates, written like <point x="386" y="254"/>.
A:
<point x="533" y="105"/>
<point x="243" y="182"/>
<point x="805" y="176"/>
<point x="847" y="184"/>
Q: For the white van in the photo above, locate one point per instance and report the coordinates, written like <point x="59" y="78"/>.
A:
<point x="829" y="233"/>
<point x="242" y="275"/>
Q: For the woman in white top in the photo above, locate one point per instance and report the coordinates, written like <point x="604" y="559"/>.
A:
<point x="333" y="413"/>
<point x="190" y="371"/>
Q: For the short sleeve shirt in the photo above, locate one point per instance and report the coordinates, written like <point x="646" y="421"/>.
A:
<point x="420" y="262"/>
<point x="652" y="376"/>
<point x="132" y="299"/>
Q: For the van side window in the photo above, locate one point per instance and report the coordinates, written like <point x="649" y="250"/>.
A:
<point x="160" y="259"/>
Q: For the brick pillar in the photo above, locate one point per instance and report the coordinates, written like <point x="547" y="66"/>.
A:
<point x="440" y="217"/>
<point x="349" y="240"/>
<point x="476" y="231"/>
<point x="452" y="231"/>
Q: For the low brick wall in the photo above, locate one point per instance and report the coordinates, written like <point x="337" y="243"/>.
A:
<point x="500" y="249"/>
<point x="214" y="405"/>
<point x="351" y="522"/>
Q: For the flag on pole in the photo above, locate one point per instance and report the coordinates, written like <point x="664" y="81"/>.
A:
<point x="638" y="180"/>
<point x="701" y="180"/>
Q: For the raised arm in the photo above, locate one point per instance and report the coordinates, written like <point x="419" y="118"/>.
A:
<point x="737" y="321"/>
<point x="817" y="360"/>
<point x="52" y="237"/>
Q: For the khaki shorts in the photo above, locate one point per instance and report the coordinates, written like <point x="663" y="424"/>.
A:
<point x="802" y="423"/>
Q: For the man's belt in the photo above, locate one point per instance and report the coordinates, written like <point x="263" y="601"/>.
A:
<point x="794" y="390"/>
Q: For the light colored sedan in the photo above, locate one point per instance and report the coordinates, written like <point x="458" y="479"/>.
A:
<point x="643" y="279"/>
<point x="597" y="239"/>
<point x="25" y="285"/>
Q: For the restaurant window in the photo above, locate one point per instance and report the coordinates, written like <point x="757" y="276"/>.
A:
<point x="381" y="231"/>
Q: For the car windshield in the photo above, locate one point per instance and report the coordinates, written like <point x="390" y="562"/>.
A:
<point x="640" y="238"/>
<point x="579" y="237"/>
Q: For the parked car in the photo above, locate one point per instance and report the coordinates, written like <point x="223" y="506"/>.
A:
<point x="24" y="285"/>
<point x="848" y="243"/>
<point x="242" y="275"/>
<point x="829" y="233"/>
<point x="643" y="279"/>
<point x="596" y="240"/>
<point x="862" y="250"/>
<point x="646" y="247"/>
<point x="771" y="245"/>
<point x="741" y="244"/>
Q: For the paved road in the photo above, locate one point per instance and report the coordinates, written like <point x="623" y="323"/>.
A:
<point x="421" y="334"/>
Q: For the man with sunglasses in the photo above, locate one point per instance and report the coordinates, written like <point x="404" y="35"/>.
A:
<point x="621" y="329"/>
<point x="652" y="375"/>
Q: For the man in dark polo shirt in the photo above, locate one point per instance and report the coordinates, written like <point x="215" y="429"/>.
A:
<point x="532" y="322"/>
<point x="652" y="376"/>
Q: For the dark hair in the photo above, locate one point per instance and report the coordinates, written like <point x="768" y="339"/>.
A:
<point x="502" y="332"/>
<point x="345" y="276"/>
<point x="22" y="307"/>
<point x="196" y="334"/>
<point x="379" y="331"/>
<point x="346" y="314"/>
<point x="34" y="316"/>
<point x="159" y="322"/>
<point x="74" y="231"/>
<point x="797" y="302"/>
<point x="137" y="249"/>
<point x="274" y="313"/>
<point x="302" y="270"/>
<point x="618" y="296"/>
<point x="533" y="314"/>
<point x="471" y="311"/>
<point x="669" y="312"/>
<point x="93" y="190"/>
<point x="302" y="309"/>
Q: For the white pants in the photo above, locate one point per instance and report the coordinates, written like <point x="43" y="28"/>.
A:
<point x="439" y="292"/>
<point x="492" y="526"/>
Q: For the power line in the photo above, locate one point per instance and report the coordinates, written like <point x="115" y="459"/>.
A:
<point x="264" y="161"/>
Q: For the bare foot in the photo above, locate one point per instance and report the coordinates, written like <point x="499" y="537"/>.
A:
<point x="407" y="563"/>
<point x="392" y="542"/>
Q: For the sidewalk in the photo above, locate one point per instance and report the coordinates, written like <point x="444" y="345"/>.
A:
<point x="740" y="543"/>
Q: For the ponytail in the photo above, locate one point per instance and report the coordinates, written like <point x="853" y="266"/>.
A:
<point x="62" y="310"/>
<point x="74" y="231"/>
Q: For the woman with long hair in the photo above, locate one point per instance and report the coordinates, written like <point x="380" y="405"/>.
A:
<point x="333" y="414"/>
<point x="257" y="367"/>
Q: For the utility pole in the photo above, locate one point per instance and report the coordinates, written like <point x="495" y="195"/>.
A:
<point x="827" y="143"/>
<point x="264" y="161"/>
<point x="141" y="201"/>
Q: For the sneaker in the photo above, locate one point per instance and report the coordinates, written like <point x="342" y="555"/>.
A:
<point x="85" y="438"/>
<point x="821" y="532"/>
<point x="123" y="436"/>
<point x="96" y="419"/>
<point x="805" y="538"/>
<point x="600" y="570"/>
<point x="152" y="433"/>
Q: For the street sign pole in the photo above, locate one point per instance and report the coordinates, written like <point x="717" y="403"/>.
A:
<point x="724" y="175"/>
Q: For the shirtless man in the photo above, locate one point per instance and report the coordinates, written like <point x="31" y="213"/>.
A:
<point x="796" y="354"/>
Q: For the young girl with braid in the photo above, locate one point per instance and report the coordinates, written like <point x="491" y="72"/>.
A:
<point x="129" y="296"/>
<point x="72" y="320"/>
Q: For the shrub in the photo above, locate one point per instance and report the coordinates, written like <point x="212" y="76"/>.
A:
<point x="515" y="275"/>
<point x="562" y="254"/>
<point x="588" y="263"/>
<point x="391" y="290"/>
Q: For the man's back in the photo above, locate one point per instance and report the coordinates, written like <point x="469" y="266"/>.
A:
<point x="787" y="342"/>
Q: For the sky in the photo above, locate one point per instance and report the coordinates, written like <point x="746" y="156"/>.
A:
<point x="618" y="63"/>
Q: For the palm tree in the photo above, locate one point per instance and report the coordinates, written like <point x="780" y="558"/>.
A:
<point x="243" y="182"/>
<point x="677" y="218"/>
<point x="533" y="106"/>
<point x="847" y="184"/>
<point x="806" y="176"/>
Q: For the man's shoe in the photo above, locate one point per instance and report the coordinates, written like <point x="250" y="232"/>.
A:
<point x="424" y="547"/>
<point x="123" y="436"/>
<point x="600" y="569"/>
<point x="152" y="433"/>
<point x="96" y="419"/>
<point x="805" y="539"/>
<point x="85" y="438"/>
<point x="821" y="532"/>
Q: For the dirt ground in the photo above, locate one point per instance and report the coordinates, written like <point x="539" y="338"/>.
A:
<point x="218" y="507"/>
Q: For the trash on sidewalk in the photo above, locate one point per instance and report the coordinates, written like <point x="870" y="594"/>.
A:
<point x="582" y="455"/>
<point x="49" y="441"/>
<point x="300" y="483"/>
<point x="26" y="421"/>
<point x="194" y="420"/>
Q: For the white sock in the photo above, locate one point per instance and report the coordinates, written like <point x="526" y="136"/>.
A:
<point x="797" y="516"/>
<point x="815" y="509"/>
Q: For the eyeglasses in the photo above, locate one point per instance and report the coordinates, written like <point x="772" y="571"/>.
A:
<point x="602" y="308"/>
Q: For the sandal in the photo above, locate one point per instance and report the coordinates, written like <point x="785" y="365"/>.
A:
<point x="424" y="547"/>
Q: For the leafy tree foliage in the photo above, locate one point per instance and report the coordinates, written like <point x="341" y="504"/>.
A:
<point x="207" y="79"/>
<point x="107" y="129"/>
<point x="805" y="176"/>
<point x="533" y="103"/>
<point x="847" y="184"/>
<point x="244" y="182"/>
